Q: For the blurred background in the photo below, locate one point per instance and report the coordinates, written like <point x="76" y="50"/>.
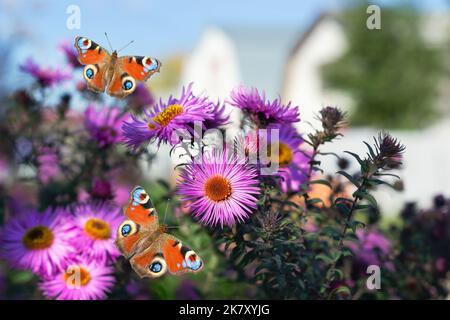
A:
<point x="313" y="53"/>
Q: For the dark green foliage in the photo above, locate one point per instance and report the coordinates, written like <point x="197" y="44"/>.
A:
<point x="391" y="73"/>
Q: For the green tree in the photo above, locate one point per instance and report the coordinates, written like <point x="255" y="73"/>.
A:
<point x="391" y="73"/>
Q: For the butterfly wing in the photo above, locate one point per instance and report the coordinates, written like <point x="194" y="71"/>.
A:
<point x="129" y="70"/>
<point x="167" y="253"/>
<point x="96" y="60"/>
<point x="141" y="222"/>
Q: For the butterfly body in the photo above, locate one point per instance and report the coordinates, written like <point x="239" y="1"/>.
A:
<point x="151" y="251"/>
<point x="111" y="73"/>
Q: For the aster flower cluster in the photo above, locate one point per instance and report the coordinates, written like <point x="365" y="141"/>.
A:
<point x="167" y="121"/>
<point x="250" y="207"/>
<point x="71" y="250"/>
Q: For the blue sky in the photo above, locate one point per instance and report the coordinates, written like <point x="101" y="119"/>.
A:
<point x="158" y="27"/>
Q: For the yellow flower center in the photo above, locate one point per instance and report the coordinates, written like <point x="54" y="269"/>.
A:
<point x="76" y="276"/>
<point x="285" y="154"/>
<point x="97" y="229"/>
<point x="217" y="188"/>
<point x="164" y="117"/>
<point x="37" y="238"/>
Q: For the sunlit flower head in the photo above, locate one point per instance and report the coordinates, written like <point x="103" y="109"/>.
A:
<point x="104" y="125"/>
<point x="292" y="161"/>
<point x="82" y="279"/>
<point x="161" y="122"/>
<point x="46" y="77"/>
<point x="96" y="226"/>
<point x="39" y="242"/>
<point x="217" y="116"/>
<point x="220" y="190"/>
<point x="262" y="112"/>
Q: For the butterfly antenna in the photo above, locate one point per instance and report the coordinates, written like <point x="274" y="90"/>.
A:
<point x="165" y="212"/>
<point x="109" y="42"/>
<point x="125" y="46"/>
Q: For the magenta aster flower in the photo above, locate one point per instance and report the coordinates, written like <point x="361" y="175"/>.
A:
<point x="47" y="164"/>
<point x="218" y="117"/>
<point x="161" y="122"/>
<point x="293" y="162"/>
<point x="101" y="189"/>
<point x="372" y="248"/>
<point x="46" y="77"/>
<point x="69" y="51"/>
<point x="39" y="241"/>
<point x="96" y="226"/>
<point x="263" y="113"/>
<point x="104" y="125"/>
<point x="221" y="190"/>
<point x="81" y="280"/>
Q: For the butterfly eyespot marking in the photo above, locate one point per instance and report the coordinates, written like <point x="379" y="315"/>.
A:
<point x="128" y="83"/>
<point x="89" y="72"/>
<point x="127" y="228"/>
<point x="192" y="261"/>
<point x="84" y="43"/>
<point x="150" y="64"/>
<point x="157" y="267"/>
<point x="140" y="196"/>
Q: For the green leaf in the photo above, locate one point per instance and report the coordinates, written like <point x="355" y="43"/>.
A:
<point x="21" y="277"/>
<point x="343" y="208"/>
<point x="324" y="258"/>
<point x="322" y="181"/>
<point x="367" y="196"/>
<point x="354" y="155"/>
<point x="341" y="290"/>
<point x="372" y="154"/>
<point x="349" y="178"/>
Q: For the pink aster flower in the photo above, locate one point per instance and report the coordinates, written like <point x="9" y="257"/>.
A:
<point x="81" y="280"/>
<point x="161" y="122"/>
<point x="47" y="164"/>
<point x="262" y="112"/>
<point x="293" y="162"/>
<point x="46" y="77"/>
<point x="69" y="51"/>
<point x="96" y="226"/>
<point x="104" y="125"/>
<point x="221" y="190"/>
<point x="372" y="248"/>
<point x="39" y="241"/>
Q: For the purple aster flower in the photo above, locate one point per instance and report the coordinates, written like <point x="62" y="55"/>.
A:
<point x="39" y="241"/>
<point x="162" y="122"/>
<point x="104" y="125"/>
<point x="293" y="162"/>
<point x="263" y="113"/>
<point x="69" y="51"/>
<point x="218" y="118"/>
<point x="46" y="77"/>
<point x="187" y="291"/>
<point x="47" y="164"/>
<point x="140" y="98"/>
<point x="222" y="190"/>
<point x="371" y="249"/>
<point x="81" y="280"/>
<point x="101" y="189"/>
<point x="96" y="226"/>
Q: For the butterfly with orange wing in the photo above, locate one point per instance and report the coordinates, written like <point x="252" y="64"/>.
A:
<point x="151" y="251"/>
<point x="116" y="75"/>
